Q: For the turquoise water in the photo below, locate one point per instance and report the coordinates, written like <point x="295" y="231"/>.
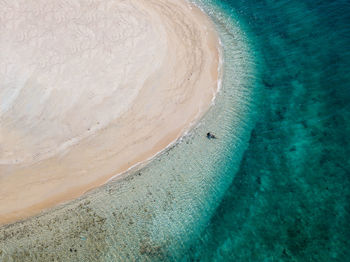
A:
<point x="290" y="200"/>
<point x="274" y="186"/>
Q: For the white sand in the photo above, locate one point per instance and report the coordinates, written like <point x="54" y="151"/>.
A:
<point x="90" y="88"/>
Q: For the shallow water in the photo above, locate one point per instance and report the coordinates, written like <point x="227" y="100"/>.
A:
<point x="155" y="213"/>
<point x="286" y="77"/>
<point x="290" y="200"/>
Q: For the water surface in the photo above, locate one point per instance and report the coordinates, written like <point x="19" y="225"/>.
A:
<point x="290" y="200"/>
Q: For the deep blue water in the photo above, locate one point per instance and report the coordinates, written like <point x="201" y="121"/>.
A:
<point x="290" y="200"/>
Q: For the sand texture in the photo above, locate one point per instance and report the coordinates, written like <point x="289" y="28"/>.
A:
<point x="90" y="88"/>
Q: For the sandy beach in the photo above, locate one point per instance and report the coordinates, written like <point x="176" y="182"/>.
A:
<point x="89" y="89"/>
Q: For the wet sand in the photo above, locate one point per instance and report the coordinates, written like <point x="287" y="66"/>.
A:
<point x="89" y="90"/>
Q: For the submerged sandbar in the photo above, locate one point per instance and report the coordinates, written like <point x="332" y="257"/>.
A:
<point x="89" y="89"/>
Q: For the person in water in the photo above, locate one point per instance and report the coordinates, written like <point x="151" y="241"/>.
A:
<point x="210" y="136"/>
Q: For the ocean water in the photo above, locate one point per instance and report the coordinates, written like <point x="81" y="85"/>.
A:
<point x="274" y="186"/>
<point x="290" y="199"/>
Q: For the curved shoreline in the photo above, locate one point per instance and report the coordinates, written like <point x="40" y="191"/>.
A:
<point x="46" y="191"/>
<point x="155" y="213"/>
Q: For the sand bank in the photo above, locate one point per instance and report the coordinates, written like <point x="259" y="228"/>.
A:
<point x="89" y="89"/>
